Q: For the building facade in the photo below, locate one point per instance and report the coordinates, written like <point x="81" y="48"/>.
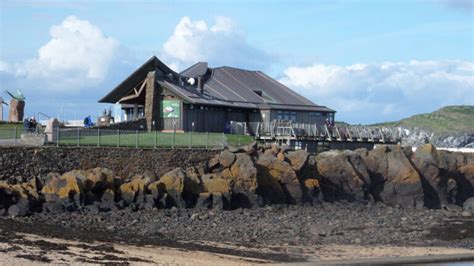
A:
<point x="207" y="99"/>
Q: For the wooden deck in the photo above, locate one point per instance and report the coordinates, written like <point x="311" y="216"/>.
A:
<point x="287" y="131"/>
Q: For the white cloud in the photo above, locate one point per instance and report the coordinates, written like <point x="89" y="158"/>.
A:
<point x="4" y="66"/>
<point x="77" y="56"/>
<point x="218" y="44"/>
<point x="387" y="90"/>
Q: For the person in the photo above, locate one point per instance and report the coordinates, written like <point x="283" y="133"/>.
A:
<point x="26" y="123"/>
<point x="33" y="124"/>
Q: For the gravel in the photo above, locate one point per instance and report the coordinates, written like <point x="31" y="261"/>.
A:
<point x="334" y="223"/>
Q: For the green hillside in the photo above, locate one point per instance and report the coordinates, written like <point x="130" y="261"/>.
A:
<point x="447" y="120"/>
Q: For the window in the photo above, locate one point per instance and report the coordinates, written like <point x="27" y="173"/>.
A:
<point x="293" y="116"/>
<point x="316" y="114"/>
<point x="286" y="115"/>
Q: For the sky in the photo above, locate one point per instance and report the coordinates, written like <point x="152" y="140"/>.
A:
<point x="371" y="61"/>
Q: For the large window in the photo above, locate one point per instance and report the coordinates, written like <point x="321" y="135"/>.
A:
<point x="286" y="115"/>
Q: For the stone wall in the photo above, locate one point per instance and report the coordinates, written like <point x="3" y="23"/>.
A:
<point x="18" y="164"/>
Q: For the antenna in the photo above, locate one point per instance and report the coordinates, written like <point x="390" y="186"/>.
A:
<point x="60" y="112"/>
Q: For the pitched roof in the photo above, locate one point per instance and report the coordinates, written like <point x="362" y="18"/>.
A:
<point x="136" y="77"/>
<point x="222" y="86"/>
<point x="239" y="86"/>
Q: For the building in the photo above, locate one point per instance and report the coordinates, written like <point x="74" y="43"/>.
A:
<point x="205" y="99"/>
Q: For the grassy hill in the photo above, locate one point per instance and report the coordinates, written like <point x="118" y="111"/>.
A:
<point x="447" y="120"/>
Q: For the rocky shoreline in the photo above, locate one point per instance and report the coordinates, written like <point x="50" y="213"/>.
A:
<point x="261" y="202"/>
<point x="255" y="176"/>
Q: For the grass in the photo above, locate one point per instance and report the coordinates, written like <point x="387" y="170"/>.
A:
<point x="7" y="130"/>
<point x="447" y="120"/>
<point x="152" y="139"/>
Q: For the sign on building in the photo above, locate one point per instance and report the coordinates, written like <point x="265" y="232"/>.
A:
<point x="170" y="109"/>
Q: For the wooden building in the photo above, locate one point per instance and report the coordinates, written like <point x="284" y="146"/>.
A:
<point x="207" y="99"/>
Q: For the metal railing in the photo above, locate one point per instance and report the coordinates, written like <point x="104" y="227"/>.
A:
<point x="11" y="136"/>
<point x="139" y="139"/>
<point x="287" y="129"/>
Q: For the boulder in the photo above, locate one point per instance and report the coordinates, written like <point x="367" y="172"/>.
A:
<point x="226" y="159"/>
<point x="19" y="199"/>
<point x="465" y="182"/>
<point x="469" y="204"/>
<point x="298" y="159"/>
<point x="435" y="190"/>
<point x="394" y="180"/>
<point x="250" y="148"/>
<point x="312" y="190"/>
<point x="243" y="174"/>
<point x="172" y="183"/>
<point x="133" y="193"/>
<point x="339" y="179"/>
<point x="218" y="192"/>
<point x="64" y="193"/>
<point x="277" y="181"/>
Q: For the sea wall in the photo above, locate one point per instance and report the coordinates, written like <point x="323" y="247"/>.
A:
<point x="18" y="164"/>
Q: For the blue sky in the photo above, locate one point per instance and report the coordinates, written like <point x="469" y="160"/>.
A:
<point x="372" y="61"/>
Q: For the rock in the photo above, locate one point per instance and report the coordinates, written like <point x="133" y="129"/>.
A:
<point x="234" y="149"/>
<point x="219" y="201"/>
<point x="134" y="191"/>
<point x="226" y="159"/>
<point x="394" y="181"/>
<point x="463" y="214"/>
<point x="321" y="229"/>
<point x="465" y="182"/>
<point x="250" y="148"/>
<point x="313" y="192"/>
<point x="339" y="179"/>
<point x="213" y="163"/>
<point x="277" y="181"/>
<point x="64" y="191"/>
<point x="434" y="183"/>
<point x="173" y="185"/>
<point x="213" y="183"/>
<point x="204" y="201"/>
<point x="244" y="174"/>
<point x="469" y="204"/>
<point x="298" y="159"/>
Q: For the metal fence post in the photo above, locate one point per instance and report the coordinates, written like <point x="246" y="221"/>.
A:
<point x="118" y="138"/>
<point x="173" y="139"/>
<point x="78" y="137"/>
<point x="14" y="135"/>
<point x="57" y="137"/>
<point x="154" y="139"/>
<point x="190" y="139"/>
<point x="136" y="139"/>
<point x="223" y="140"/>
<point x="207" y="140"/>
<point x="98" y="137"/>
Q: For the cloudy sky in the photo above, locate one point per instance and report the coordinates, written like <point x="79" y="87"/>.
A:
<point x="372" y="61"/>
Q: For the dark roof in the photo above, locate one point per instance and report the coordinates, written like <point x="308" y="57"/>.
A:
<point x="135" y="78"/>
<point x="223" y="86"/>
<point x="198" y="69"/>
<point x="243" y="87"/>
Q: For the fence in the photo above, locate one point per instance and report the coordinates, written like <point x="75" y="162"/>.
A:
<point x="130" y="138"/>
<point x="287" y="129"/>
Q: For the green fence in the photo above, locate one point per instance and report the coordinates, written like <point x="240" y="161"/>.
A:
<point x="144" y="139"/>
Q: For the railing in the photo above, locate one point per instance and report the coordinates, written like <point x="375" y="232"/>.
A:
<point x="12" y="135"/>
<point x="286" y="129"/>
<point x="98" y="137"/>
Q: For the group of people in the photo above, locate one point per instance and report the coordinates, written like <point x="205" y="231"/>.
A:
<point x="30" y="124"/>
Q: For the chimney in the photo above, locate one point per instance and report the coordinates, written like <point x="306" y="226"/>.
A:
<point x="200" y="84"/>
